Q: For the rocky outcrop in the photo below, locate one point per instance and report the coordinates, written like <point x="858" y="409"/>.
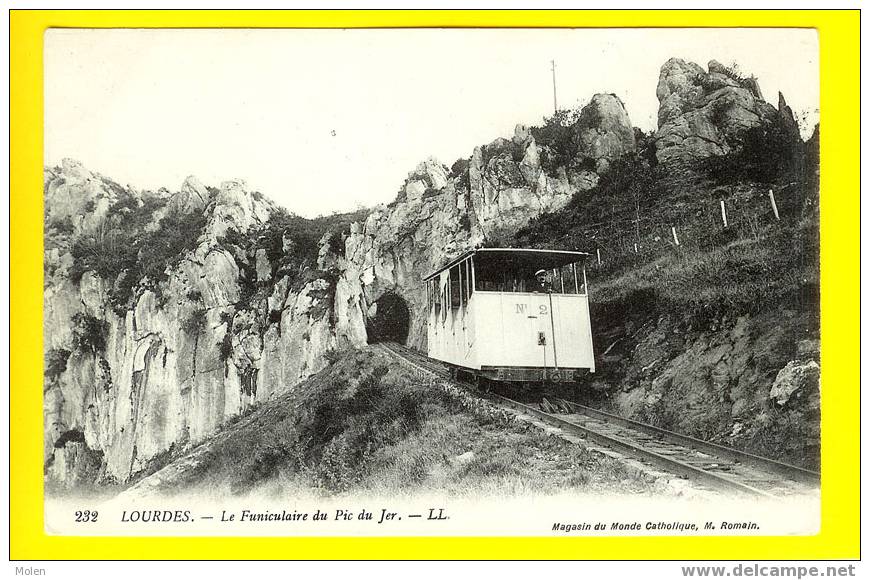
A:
<point x="705" y="113"/>
<point x="604" y="130"/>
<point x="787" y="121"/>
<point x="193" y="196"/>
<point x="78" y="197"/>
<point x="506" y="185"/>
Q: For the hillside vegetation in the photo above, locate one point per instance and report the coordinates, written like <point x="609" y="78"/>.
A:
<point x="366" y="425"/>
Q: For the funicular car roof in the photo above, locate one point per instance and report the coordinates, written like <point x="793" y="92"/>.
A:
<point x="523" y="257"/>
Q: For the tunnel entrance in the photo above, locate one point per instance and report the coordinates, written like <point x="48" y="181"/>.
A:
<point x="391" y="320"/>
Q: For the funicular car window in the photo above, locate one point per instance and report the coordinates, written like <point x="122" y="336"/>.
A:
<point x="444" y="288"/>
<point x="463" y="286"/>
<point x="455" y="298"/>
<point x="501" y="275"/>
<point x="495" y="272"/>
<point x="438" y="297"/>
<point x="469" y="287"/>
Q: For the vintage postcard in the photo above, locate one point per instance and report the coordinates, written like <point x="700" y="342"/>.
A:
<point x="526" y="282"/>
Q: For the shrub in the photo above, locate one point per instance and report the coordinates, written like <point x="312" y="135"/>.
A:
<point x="627" y="189"/>
<point x="719" y="112"/>
<point x="459" y="167"/>
<point x="332" y="356"/>
<point x="55" y="362"/>
<point x="226" y="317"/>
<point x="763" y="154"/>
<point x="336" y="241"/>
<point x="558" y="139"/>
<point x="348" y="425"/>
<point x="265" y="462"/>
<point x="305" y="233"/>
<point x="89" y="333"/>
<point x="225" y="346"/>
<point x="107" y="253"/>
<point x="503" y="148"/>
<point x="459" y="172"/>
<point x="177" y="234"/>
<point x="589" y="117"/>
<point x="63" y="226"/>
<point x="195" y="322"/>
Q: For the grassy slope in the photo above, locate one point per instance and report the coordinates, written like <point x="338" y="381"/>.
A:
<point x="368" y="425"/>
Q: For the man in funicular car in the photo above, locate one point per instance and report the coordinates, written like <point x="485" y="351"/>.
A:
<point x="542" y="281"/>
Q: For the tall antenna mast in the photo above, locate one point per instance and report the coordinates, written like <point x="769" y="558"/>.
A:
<point x="555" y="105"/>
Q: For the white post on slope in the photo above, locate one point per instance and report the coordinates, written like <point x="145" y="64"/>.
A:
<point x="773" y="203"/>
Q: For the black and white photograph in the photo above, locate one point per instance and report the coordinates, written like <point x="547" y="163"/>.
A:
<point x="414" y="282"/>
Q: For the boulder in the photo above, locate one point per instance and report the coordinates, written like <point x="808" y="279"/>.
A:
<point x="794" y="377"/>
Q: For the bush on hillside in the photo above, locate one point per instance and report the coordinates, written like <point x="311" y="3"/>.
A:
<point x="763" y="154"/>
<point x="89" y="333"/>
<point x="195" y="322"/>
<point x="55" y="362"/>
<point x="557" y="138"/>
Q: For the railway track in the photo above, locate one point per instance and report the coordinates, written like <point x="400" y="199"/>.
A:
<point x="714" y="466"/>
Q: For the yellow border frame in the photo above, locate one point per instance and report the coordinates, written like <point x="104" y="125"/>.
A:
<point x="839" y="41"/>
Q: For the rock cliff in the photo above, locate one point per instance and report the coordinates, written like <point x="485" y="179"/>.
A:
<point x="184" y="353"/>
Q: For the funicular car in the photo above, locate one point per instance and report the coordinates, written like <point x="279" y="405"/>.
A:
<point x="515" y="315"/>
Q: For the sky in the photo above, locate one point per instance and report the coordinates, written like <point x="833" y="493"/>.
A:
<point x="333" y="120"/>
